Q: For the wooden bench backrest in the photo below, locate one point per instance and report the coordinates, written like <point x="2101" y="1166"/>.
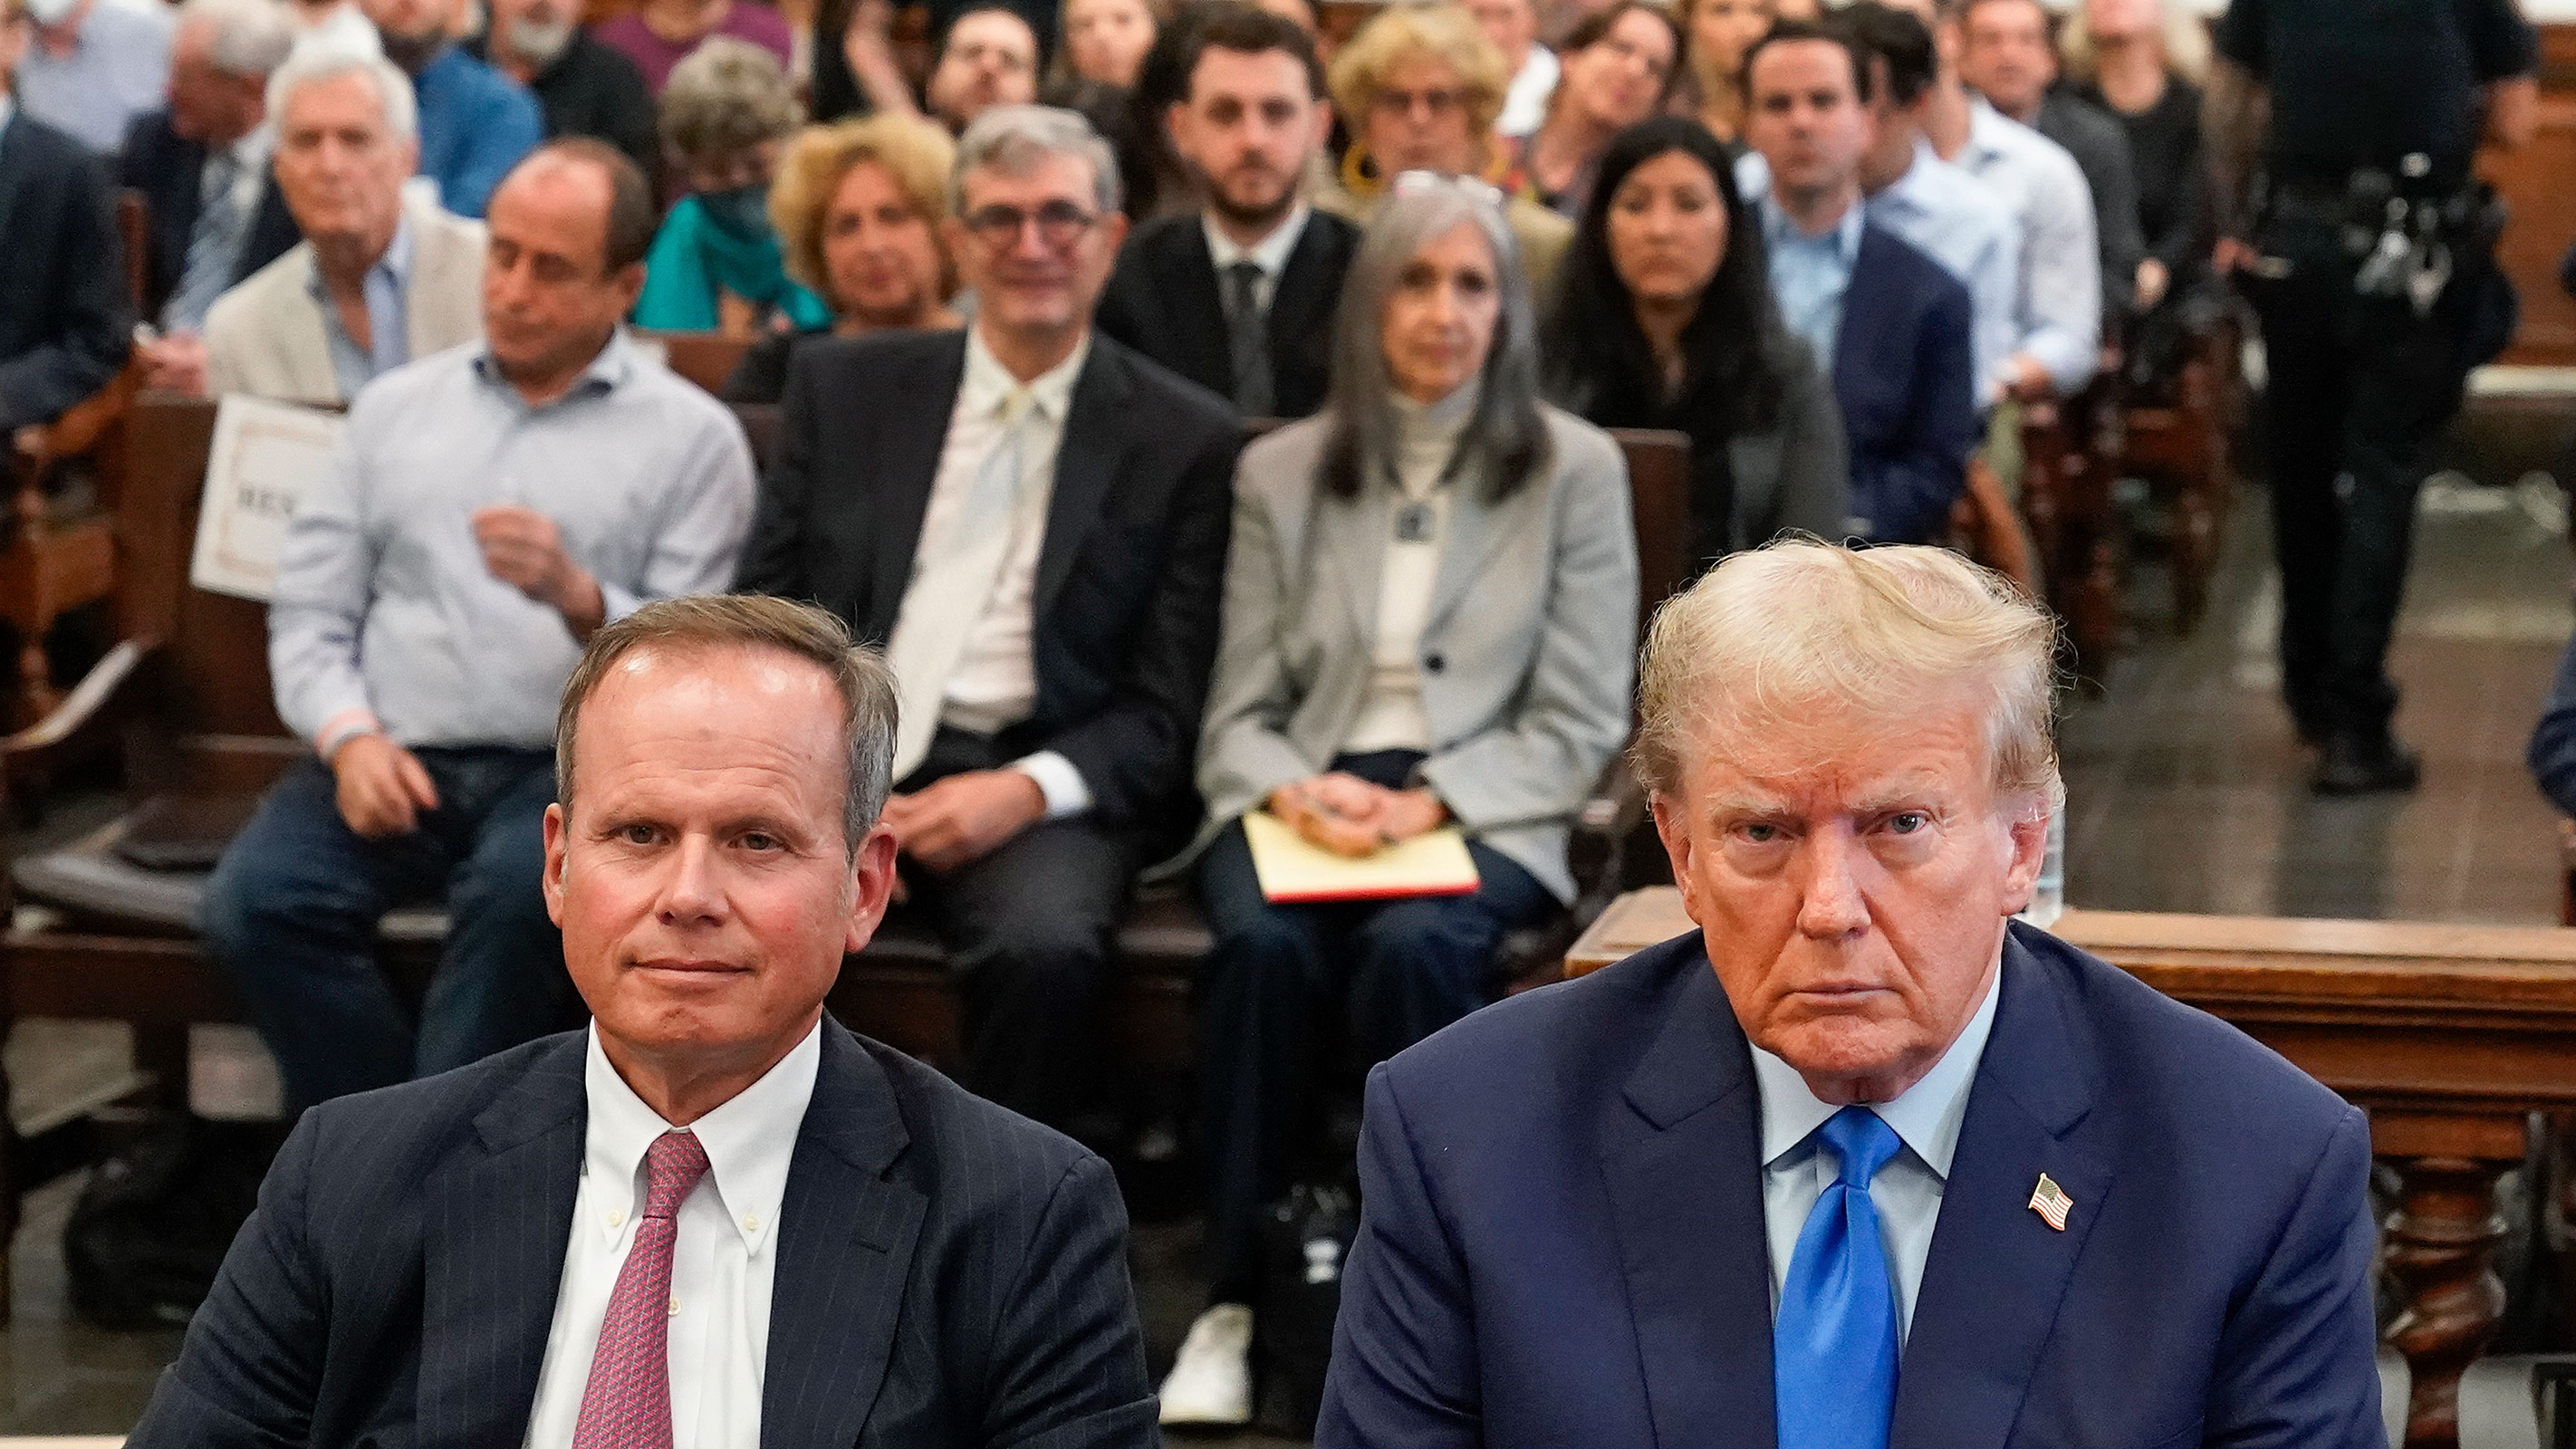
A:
<point x="1659" y="502"/>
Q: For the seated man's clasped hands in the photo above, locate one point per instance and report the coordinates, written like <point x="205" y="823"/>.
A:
<point x="713" y="1218"/>
<point x="1861" y="1161"/>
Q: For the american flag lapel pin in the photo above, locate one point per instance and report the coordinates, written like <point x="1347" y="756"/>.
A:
<point x="2051" y="1202"/>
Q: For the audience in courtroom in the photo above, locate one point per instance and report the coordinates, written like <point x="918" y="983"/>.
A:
<point x="858" y="207"/>
<point x="988" y="58"/>
<point x="1667" y="321"/>
<point x="1420" y="87"/>
<point x="1239" y="297"/>
<point x="421" y="659"/>
<point x="1947" y="214"/>
<point x="380" y="279"/>
<point x="658" y="34"/>
<point x="1894" y="324"/>
<point x="726" y="115"/>
<point x="1619" y="66"/>
<point x="95" y="66"/>
<point x="1512" y="25"/>
<point x="715" y="1217"/>
<point x="1430" y="619"/>
<point x="585" y="86"/>
<point x="2007" y="52"/>
<point x="1715" y="35"/>
<point x="214" y="214"/>
<point x="1031" y="520"/>
<point x="1860" y="1117"/>
<point x="2133" y="58"/>
<point x="64" y="309"/>
<point x="1105" y="40"/>
<point x="474" y="122"/>
<point x="2060" y="308"/>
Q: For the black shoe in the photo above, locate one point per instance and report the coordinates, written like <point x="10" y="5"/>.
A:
<point x="2366" y="765"/>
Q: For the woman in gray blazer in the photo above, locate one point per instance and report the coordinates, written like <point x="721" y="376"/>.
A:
<point x="1666" y="321"/>
<point x="1430" y="618"/>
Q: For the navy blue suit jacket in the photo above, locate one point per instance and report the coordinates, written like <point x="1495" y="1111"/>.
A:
<point x="168" y="169"/>
<point x="1906" y="379"/>
<point x="1562" y="1240"/>
<point x="948" y="1273"/>
<point x="66" y="313"/>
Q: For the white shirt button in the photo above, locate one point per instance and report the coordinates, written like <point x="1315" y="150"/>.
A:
<point x="617" y="1217"/>
<point x="675" y="1305"/>
<point x="751" y="1222"/>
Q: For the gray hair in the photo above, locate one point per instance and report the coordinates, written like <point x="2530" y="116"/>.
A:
<point x="312" y="65"/>
<point x="708" y="622"/>
<point x="1011" y="139"/>
<point x="1509" y="430"/>
<point x="728" y="96"/>
<point x="249" y="38"/>
<point x="1772" y="639"/>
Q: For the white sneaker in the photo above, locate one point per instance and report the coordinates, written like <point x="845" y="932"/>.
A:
<point x="1211" y="1381"/>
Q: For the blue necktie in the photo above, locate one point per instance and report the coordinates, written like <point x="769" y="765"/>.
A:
<point x="1833" y="1342"/>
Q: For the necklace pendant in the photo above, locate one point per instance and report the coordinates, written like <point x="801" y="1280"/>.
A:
<point x="1413" y="523"/>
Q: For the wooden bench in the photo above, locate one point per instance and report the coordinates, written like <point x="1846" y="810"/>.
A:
<point x="2449" y="1036"/>
<point x="2068" y="449"/>
<point x="2182" y="449"/>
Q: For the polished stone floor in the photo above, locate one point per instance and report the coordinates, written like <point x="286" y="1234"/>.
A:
<point x="2185" y="791"/>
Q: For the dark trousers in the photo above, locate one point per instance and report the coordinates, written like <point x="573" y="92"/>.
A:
<point x="1029" y="927"/>
<point x="291" y="915"/>
<point x="2357" y="393"/>
<point x="1400" y="970"/>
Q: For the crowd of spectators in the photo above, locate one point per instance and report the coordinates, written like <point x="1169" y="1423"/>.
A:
<point x="1013" y="346"/>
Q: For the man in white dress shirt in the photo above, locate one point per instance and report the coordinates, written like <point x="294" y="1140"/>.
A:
<point x="714" y="1219"/>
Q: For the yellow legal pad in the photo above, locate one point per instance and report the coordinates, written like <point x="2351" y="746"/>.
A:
<point x="1296" y="871"/>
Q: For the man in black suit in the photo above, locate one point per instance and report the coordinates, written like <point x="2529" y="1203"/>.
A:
<point x="714" y="1208"/>
<point x="215" y="213"/>
<point x="1240" y="297"/>
<point x="1032" y="520"/>
<point x="64" y="311"/>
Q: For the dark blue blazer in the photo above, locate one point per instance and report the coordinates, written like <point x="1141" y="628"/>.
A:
<point x="948" y="1273"/>
<point x="66" y="309"/>
<point x="1563" y="1239"/>
<point x="169" y="170"/>
<point x="1906" y="380"/>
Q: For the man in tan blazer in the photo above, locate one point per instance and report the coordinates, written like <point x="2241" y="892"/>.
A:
<point x="381" y="277"/>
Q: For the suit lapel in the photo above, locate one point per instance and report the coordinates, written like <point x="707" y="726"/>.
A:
<point x="908" y="444"/>
<point x="1685" y="1190"/>
<point x="1096" y="434"/>
<point x="1302" y="291"/>
<point x="1350" y="534"/>
<point x="497" y="1216"/>
<point x="845" y="1243"/>
<point x="1476" y="529"/>
<point x="1997" y="1271"/>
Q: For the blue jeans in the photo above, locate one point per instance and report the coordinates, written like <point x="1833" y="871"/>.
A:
<point x="1395" y="971"/>
<point x="291" y="915"/>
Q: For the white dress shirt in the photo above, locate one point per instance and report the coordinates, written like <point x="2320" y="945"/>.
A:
<point x="724" y="1258"/>
<point x="994" y="684"/>
<point x="1270" y="254"/>
<point x="1525" y="103"/>
<point x="1906" y="1192"/>
<point x="1391" y="716"/>
<point x="2061" y="269"/>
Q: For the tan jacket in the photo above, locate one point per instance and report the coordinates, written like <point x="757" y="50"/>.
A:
<point x="265" y="337"/>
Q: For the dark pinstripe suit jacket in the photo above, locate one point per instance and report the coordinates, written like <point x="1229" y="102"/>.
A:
<point x="948" y="1273"/>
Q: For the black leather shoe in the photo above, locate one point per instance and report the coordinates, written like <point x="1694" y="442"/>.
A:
<point x="2366" y="765"/>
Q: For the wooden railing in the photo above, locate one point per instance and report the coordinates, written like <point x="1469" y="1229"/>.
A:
<point x="2449" y="1036"/>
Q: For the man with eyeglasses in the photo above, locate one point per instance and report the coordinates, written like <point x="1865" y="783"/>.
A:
<point x="1031" y="519"/>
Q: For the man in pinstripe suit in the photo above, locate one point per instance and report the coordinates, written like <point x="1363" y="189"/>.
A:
<point x="715" y="1218"/>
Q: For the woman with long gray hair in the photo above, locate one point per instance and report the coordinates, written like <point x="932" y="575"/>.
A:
<point x="1430" y="620"/>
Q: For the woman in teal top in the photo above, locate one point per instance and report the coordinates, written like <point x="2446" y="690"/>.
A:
<point x="725" y="116"/>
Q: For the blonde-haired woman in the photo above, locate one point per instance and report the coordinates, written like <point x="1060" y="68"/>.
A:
<point x="2133" y="58"/>
<point x="1420" y="87"/>
<point x="857" y="208"/>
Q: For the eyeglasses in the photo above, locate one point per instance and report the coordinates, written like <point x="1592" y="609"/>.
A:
<point x="1440" y="103"/>
<point x="1059" y="223"/>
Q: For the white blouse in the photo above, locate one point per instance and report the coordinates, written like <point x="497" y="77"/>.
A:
<point x="1391" y="716"/>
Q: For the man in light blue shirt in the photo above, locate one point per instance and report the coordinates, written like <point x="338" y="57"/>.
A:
<point x="95" y="66"/>
<point x="1811" y="272"/>
<point x="488" y="509"/>
<point x="385" y="287"/>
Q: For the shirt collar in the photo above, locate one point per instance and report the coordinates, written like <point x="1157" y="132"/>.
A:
<point x="988" y="384"/>
<point x="607" y="372"/>
<point x="1270" y="254"/>
<point x="1926" y="1116"/>
<point x="1779" y="231"/>
<point x="1987" y="135"/>
<point x="749" y="1141"/>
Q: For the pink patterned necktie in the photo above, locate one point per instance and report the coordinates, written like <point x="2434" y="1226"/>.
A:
<point x="627" y="1403"/>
